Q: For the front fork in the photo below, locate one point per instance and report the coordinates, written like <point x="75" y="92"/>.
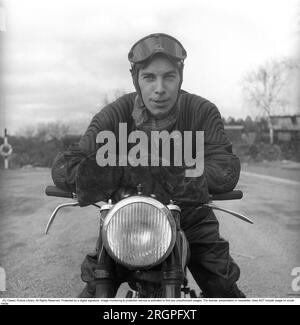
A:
<point x="173" y="268"/>
<point x="104" y="272"/>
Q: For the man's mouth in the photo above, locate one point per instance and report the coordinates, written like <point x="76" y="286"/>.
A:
<point x="160" y="101"/>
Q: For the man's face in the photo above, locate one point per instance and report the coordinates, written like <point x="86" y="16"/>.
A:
<point x="159" y="85"/>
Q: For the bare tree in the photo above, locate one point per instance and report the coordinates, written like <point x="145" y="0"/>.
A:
<point x="51" y="130"/>
<point x="27" y="131"/>
<point x="266" y="88"/>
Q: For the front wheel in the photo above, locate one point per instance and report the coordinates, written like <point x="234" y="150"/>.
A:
<point x="129" y="294"/>
<point x="149" y="290"/>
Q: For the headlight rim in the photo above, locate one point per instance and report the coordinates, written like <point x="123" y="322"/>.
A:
<point x="138" y="199"/>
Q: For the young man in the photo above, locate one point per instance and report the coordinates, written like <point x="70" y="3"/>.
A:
<point x="159" y="104"/>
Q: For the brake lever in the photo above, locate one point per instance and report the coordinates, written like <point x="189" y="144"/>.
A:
<point x="51" y="219"/>
<point x="235" y="214"/>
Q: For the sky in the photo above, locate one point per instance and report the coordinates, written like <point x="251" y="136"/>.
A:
<point x="59" y="58"/>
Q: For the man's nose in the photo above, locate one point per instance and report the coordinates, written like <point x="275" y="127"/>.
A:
<point x="159" y="86"/>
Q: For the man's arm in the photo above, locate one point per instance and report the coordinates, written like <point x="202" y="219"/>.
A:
<point x="66" y="164"/>
<point x="221" y="166"/>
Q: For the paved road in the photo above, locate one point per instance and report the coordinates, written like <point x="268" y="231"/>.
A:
<point x="49" y="266"/>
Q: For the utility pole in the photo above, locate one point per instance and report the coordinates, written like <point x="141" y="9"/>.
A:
<point x="6" y="150"/>
<point x="2" y="66"/>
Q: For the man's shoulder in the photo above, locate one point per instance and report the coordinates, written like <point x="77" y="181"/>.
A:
<point x="127" y="98"/>
<point x="121" y="106"/>
<point x="193" y="102"/>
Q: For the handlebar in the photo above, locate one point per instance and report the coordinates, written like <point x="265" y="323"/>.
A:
<point x="52" y="190"/>
<point x="232" y="195"/>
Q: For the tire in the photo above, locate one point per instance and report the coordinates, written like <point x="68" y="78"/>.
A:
<point x="129" y="294"/>
<point x="149" y="290"/>
<point x="193" y="294"/>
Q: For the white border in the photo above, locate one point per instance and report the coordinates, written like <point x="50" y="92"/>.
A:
<point x="156" y="301"/>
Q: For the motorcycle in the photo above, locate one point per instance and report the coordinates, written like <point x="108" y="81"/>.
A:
<point x="141" y="242"/>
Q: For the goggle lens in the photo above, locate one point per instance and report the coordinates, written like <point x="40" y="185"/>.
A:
<point x="156" y="43"/>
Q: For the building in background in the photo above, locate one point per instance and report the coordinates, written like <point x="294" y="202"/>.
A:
<point x="286" y="127"/>
<point x="234" y="132"/>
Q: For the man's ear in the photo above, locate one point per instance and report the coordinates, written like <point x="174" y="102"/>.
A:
<point x="181" y="73"/>
<point x="134" y="80"/>
<point x="181" y="69"/>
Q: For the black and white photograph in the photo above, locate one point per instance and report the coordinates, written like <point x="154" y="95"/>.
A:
<point x="150" y="150"/>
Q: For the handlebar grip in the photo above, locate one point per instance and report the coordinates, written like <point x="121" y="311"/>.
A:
<point x="52" y="190"/>
<point x="232" y="195"/>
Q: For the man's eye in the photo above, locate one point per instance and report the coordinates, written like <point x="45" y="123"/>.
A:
<point x="170" y="77"/>
<point x="148" y="78"/>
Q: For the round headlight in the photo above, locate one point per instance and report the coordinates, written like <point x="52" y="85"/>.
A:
<point x="139" y="232"/>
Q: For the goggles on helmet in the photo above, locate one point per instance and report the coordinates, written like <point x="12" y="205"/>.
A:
<point x="156" y="43"/>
